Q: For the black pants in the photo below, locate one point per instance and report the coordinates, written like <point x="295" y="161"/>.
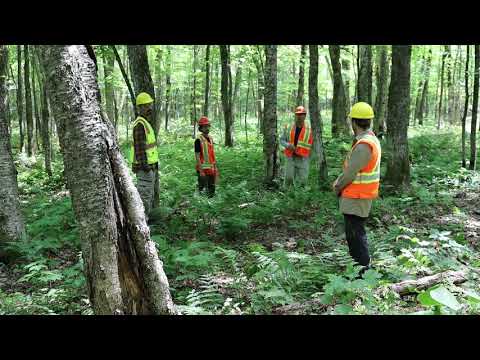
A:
<point x="206" y="182"/>
<point x="357" y="238"/>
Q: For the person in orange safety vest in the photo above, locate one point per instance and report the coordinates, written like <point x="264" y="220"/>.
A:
<point x="297" y="141"/>
<point x="206" y="164"/>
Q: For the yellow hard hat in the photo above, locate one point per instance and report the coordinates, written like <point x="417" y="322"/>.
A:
<point x="144" y="98"/>
<point x="362" y="110"/>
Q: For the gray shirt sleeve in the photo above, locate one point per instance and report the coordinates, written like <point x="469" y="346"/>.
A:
<point x="361" y="155"/>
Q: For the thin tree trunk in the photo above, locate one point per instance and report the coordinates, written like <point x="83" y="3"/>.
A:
<point x="158" y="88"/>
<point x="226" y="86"/>
<point x="12" y="227"/>
<point x="465" y="109"/>
<point x="449" y="92"/>
<point x="473" y="129"/>
<point x="260" y="91"/>
<point x="108" y="68"/>
<point x="423" y="99"/>
<point x="301" y="77"/>
<point x="439" y="113"/>
<point x="20" y="97"/>
<point x="339" y="112"/>
<point x="207" y="80"/>
<point x="382" y="90"/>
<point x="270" y="141"/>
<point x="315" y="118"/>
<point x="364" y="84"/>
<point x="125" y="78"/>
<point x="246" y="107"/>
<point x="168" y="85"/>
<point x="398" y="164"/>
<point x="194" y="103"/>
<point x="236" y="89"/>
<point x="124" y="274"/>
<point x="28" y="102"/>
<point x="38" y="125"/>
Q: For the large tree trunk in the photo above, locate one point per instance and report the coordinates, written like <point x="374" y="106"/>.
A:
<point x="364" y="85"/>
<point x="473" y="129"/>
<point x="12" y="227"/>
<point x="108" y="66"/>
<point x="28" y="102"/>
<point x="382" y="88"/>
<point x="315" y="118"/>
<point x="142" y="82"/>
<point x="301" y="76"/>
<point x="465" y="108"/>
<point x="270" y="141"/>
<point x="20" y="97"/>
<point x="207" y="80"/>
<point x="122" y="268"/>
<point x="398" y="164"/>
<point x="226" y="90"/>
<point x="423" y="99"/>
<point x="339" y="112"/>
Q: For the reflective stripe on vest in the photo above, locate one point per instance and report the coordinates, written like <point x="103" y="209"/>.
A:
<point x="150" y="142"/>
<point x="305" y="141"/>
<point x="367" y="181"/>
<point x="207" y="155"/>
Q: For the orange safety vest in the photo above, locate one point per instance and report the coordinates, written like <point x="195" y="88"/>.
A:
<point x="304" y="144"/>
<point x="367" y="182"/>
<point x="206" y="162"/>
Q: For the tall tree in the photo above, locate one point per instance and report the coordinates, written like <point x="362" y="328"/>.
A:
<point x="465" y="108"/>
<point x="207" y="80"/>
<point x="257" y="57"/>
<point x="226" y="90"/>
<point x="449" y="94"/>
<point x="108" y="68"/>
<point x="20" y="97"/>
<point x="124" y="274"/>
<point x="339" y="112"/>
<point x="270" y="141"/>
<point x="364" y="84"/>
<point x="168" y="84"/>
<point x="473" y="129"/>
<point x="382" y="88"/>
<point x="420" y="111"/>
<point x="28" y="101"/>
<point x="45" y="132"/>
<point x="12" y="227"/>
<point x="440" y="101"/>
<point x="125" y="78"/>
<point x="315" y="119"/>
<point x="398" y="163"/>
<point x="301" y="76"/>
<point x="236" y="89"/>
<point x="194" y="87"/>
<point x="346" y="78"/>
<point x="38" y="125"/>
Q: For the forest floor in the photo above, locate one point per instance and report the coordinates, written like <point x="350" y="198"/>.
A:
<point x="252" y="251"/>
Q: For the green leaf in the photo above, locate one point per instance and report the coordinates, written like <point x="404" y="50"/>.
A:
<point x="425" y="299"/>
<point x="472" y="296"/>
<point x="445" y="297"/>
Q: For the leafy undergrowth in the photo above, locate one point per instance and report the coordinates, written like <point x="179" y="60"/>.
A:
<point x="252" y="251"/>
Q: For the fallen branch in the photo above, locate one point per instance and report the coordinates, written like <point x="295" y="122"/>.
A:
<point x="304" y="308"/>
<point x="409" y="286"/>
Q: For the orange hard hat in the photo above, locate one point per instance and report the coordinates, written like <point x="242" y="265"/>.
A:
<point x="203" y="121"/>
<point x="300" y="110"/>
